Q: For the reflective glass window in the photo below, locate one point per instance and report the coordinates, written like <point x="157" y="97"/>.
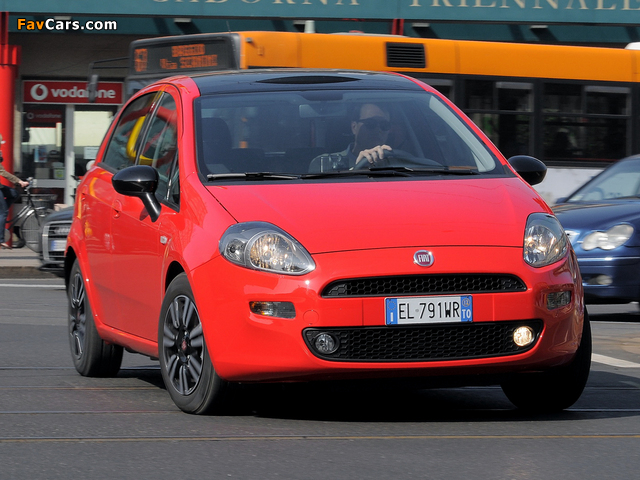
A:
<point x="160" y="145"/>
<point x="124" y="143"/>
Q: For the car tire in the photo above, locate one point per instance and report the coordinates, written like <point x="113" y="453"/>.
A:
<point x="92" y="356"/>
<point x="187" y="369"/>
<point x="556" y="389"/>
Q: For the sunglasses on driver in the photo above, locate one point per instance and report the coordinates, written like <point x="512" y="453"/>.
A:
<point x="373" y="123"/>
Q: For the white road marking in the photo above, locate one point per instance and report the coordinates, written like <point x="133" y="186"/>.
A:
<point x="613" y="362"/>
<point x="18" y="285"/>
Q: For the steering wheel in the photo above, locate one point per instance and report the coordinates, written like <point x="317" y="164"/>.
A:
<point x="396" y="158"/>
<point x="365" y="165"/>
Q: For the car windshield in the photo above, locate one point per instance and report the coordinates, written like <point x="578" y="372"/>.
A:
<point x="621" y="180"/>
<point x="316" y="134"/>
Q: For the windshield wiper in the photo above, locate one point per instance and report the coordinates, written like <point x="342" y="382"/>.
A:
<point x="373" y="172"/>
<point x="391" y="171"/>
<point x="252" y="176"/>
<point x="448" y="171"/>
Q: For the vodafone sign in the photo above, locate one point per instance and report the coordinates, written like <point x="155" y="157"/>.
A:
<point x="53" y="91"/>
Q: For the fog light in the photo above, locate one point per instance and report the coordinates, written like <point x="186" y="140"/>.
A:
<point x="600" y="280"/>
<point x="273" y="309"/>
<point x="326" y="344"/>
<point x="523" y="336"/>
<point x="558" y="299"/>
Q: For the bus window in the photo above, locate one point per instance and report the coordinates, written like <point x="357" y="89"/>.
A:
<point x="443" y="85"/>
<point x="561" y="97"/>
<point x="515" y="96"/>
<point x="504" y="111"/>
<point x="585" y="123"/>
<point x="608" y="100"/>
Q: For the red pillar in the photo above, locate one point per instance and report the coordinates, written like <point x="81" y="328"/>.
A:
<point x="397" y="26"/>
<point x="9" y="62"/>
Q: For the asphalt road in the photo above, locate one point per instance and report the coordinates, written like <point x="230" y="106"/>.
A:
<point x="57" y="424"/>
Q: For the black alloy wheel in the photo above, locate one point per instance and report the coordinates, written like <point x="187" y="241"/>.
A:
<point x="183" y="345"/>
<point x="91" y="355"/>
<point x="187" y="370"/>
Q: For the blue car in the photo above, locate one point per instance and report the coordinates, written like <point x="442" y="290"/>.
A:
<point x="602" y="221"/>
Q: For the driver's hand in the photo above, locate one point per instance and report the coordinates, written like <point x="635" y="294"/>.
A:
<point x="24" y="184"/>
<point x="373" y="155"/>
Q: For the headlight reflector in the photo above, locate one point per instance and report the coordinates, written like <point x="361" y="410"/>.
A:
<point x="263" y="246"/>
<point x="612" y="238"/>
<point x="544" y="240"/>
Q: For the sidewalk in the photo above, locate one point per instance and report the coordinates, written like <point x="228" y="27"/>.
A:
<point x="21" y="263"/>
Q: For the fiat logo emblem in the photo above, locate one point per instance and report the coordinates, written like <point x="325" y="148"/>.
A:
<point x="424" y="258"/>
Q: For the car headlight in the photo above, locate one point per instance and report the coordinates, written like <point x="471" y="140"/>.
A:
<point x="612" y="238"/>
<point x="544" y="240"/>
<point x="263" y="246"/>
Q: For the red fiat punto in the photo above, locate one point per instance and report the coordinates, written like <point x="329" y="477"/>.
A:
<point x="281" y="225"/>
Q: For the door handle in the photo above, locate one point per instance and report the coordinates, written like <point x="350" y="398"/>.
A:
<point x="117" y="208"/>
<point x="84" y="191"/>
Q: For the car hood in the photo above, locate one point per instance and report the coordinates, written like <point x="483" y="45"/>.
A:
<point x="338" y="216"/>
<point x="60" y="215"/>
<point x="601" y="215"/>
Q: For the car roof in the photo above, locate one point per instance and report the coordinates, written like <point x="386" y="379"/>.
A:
<point x="297" y="79"/>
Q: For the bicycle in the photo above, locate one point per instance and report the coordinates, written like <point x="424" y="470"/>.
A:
<point x="26" y="223"/>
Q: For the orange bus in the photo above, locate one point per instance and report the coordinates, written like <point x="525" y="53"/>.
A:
<point x="569" y="106"/>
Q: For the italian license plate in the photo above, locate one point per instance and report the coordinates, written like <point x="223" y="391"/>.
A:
<point x="440" y="309"/>
<point x="57" y="245"/>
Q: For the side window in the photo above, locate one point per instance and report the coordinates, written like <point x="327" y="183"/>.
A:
<point x="160" y="146"/>
<point x="123" y="145"/>
<point x="174" y="186"/>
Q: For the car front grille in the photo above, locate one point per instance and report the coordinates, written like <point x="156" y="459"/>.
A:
<point x="423" y="285"/>
<point x="54" y="238"/>
<point x="420" y="343"/>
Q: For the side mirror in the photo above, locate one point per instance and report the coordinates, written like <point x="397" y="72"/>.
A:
<point x="139" y="181"/>
<point x="530" y="169"/>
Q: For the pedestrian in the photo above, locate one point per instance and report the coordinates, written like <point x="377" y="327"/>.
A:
<point x="9" y="195"/>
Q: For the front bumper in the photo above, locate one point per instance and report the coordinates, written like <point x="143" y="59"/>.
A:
<point x="610" y="279"/>
<point x="54" y="241"/>
<point x="249" y="347"/>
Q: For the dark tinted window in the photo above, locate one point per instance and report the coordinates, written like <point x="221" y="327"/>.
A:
<point x="585" y="122"/>
<point x="504" y="112"/>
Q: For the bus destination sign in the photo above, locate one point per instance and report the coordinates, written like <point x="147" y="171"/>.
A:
<point x="206" y="54"/>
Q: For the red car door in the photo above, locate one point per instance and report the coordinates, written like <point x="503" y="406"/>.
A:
<point x="138" y="242"/>
<point x="97" y="198"/>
